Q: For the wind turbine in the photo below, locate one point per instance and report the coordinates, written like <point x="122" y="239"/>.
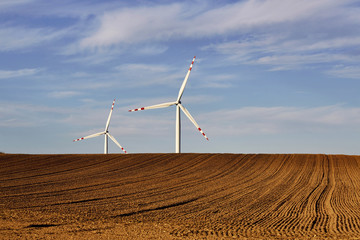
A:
<point x="178" y="107"/>
<point x="106" y="133"/>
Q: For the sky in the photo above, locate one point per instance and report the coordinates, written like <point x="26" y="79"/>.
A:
<point x="270" y="76"/>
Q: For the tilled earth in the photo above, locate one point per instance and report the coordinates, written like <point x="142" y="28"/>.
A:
<point x="179" y="196"/>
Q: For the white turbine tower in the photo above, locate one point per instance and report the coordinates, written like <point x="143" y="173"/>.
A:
<point x="178" y="107"/>
<point x="106" y="133"/>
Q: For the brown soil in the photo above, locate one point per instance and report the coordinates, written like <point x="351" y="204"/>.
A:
<point x="179" y="196"/>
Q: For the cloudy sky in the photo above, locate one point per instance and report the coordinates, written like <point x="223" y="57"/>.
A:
<point x="270" y="76"/>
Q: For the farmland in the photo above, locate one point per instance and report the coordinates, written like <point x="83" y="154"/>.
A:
<point x="176" y="196"/>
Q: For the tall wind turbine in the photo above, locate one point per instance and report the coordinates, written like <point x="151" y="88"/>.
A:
<point x="178" y="107"/>
<point x="106" y="133"/>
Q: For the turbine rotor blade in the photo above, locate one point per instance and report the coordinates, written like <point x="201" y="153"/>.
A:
<point x="161" y="105"/>
<point x="116" y="142"/>
<point x="108" y="121"/>
<point x="181" y="91"/>
<point x="90" y="136"/>
<point x="192" y="120"/>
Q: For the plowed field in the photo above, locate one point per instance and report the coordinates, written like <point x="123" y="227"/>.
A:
<point x="179" y="196"/>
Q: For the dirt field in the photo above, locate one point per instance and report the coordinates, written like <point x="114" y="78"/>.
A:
<point x="179" y="196"/>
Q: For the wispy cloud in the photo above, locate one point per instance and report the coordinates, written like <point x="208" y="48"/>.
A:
<point x="148" y="74"/>
<point x="4" y="74"/>
<point x="10" y="3"/>
<point x="20" y="38"/>
<point x="345" y="71"/>
<point x="29" y="115"/>
<point x="322" y="34"/>
<point x="134" y="25"/>
<point x="275" y="33"/>
<point x="174" y="21"/>
<point x="283" y="52"/>
<point x="146" y="68"/>
<point x="63" y="94"/>
<point x="277" y="120"/>
<point x="254" y="121"/>
<point x="279" y="34"/>
<point x="216" y="80"/>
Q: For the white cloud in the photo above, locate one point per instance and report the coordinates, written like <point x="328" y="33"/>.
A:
<point x="76" y="54"/>
<point x="64" y="94"/>
<point x="252" y="14"/>
<point x="10" y="3"/>
<point x="345" y="71"/>
<point x="279" y="34"/>
<point x="174" y="21"/>
<point x="146" y="68"/>
<point x="134" y="25"/>
<point x="148" y="74"/>
<point x="282" y="52"/>
<point x="285" y="62"/>
<point x="277" y="120"/>
<point x="325" y="36"/>
<point x="150" y="50"/>
<point x="216" y="80"/>
<point x="15" y="38"/>
<point x="4" y="74"/>
<point x="247" y="121"/>
<point x="89" y="58"/>
<point x="28" y="115"/>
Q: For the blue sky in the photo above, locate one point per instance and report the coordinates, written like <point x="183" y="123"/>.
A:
<point x="271" y="76"/>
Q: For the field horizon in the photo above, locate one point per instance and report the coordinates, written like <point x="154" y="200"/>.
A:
<point x="176" y="196"/>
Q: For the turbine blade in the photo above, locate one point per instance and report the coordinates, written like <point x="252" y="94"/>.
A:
<point x="162" y="105"/>
<point x="185" y="81"/>
<point x="116" y="142"/>
<point x="192" y="120"/>
<point x="108" y="121"/>
<point x="90" y="136"/>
